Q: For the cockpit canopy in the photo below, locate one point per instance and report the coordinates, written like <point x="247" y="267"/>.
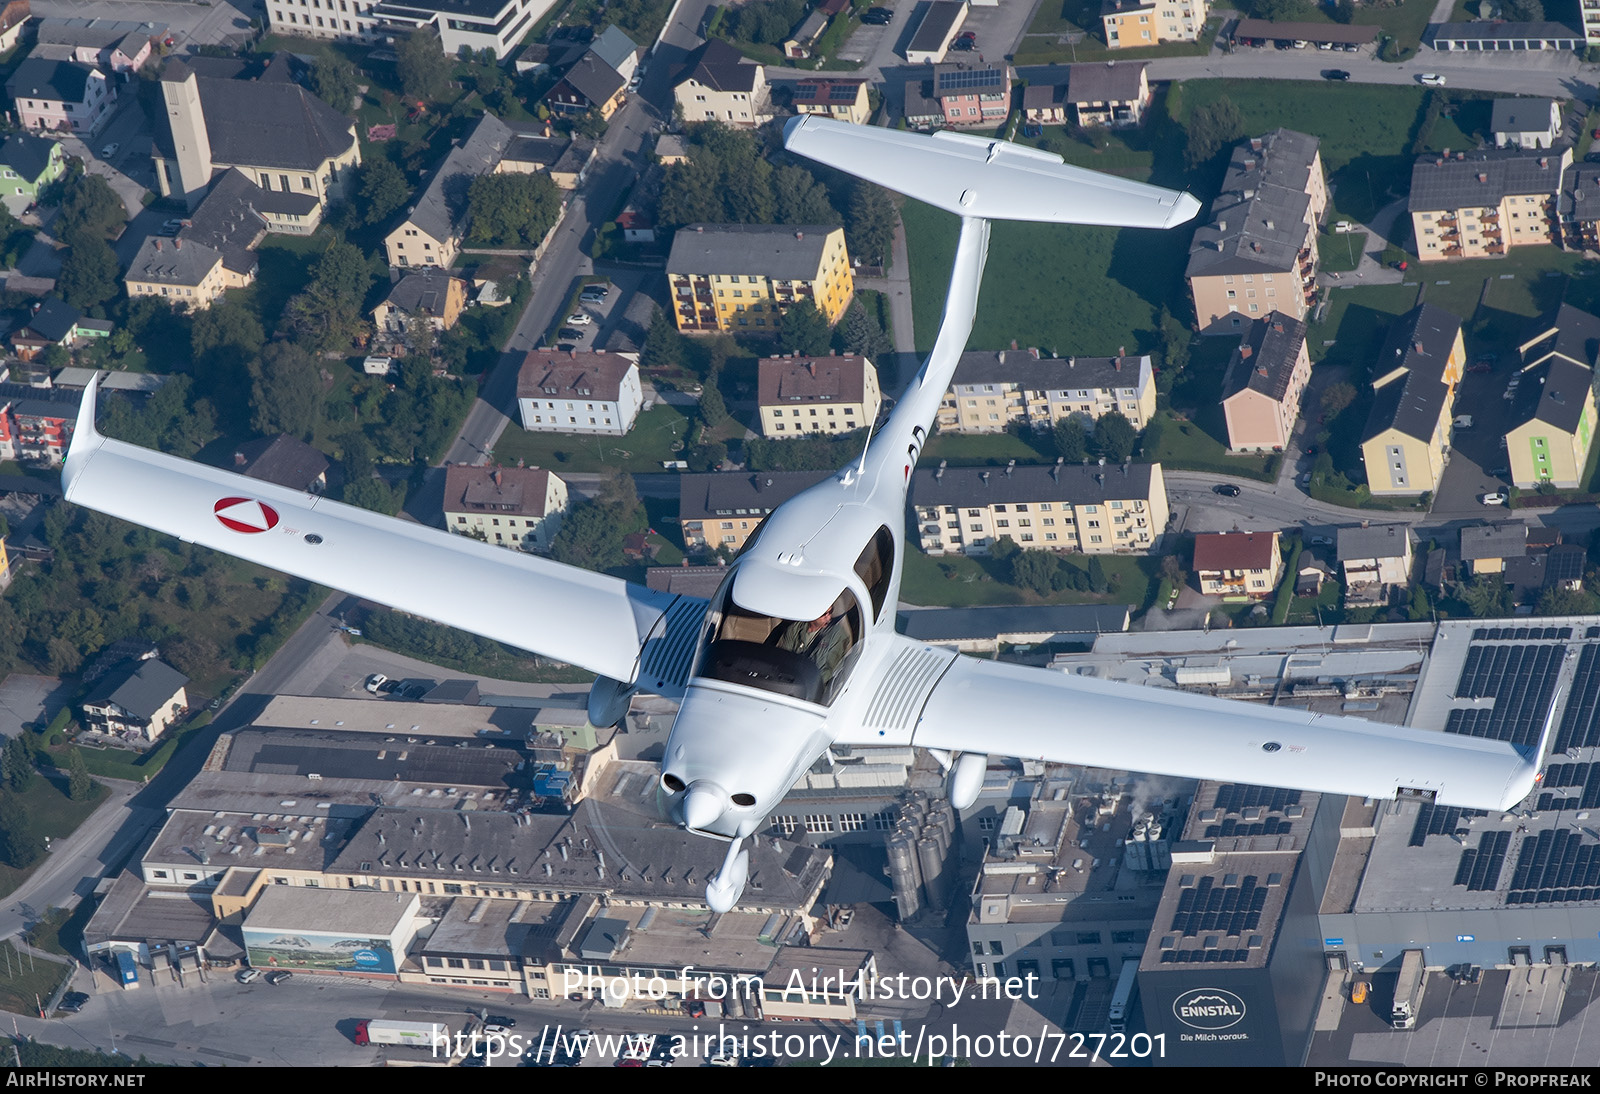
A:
<point x="806" y="659"/>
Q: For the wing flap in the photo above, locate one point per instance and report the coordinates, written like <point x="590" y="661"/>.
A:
<point x="1002" y="709"/>
<point x="586" y="619"/>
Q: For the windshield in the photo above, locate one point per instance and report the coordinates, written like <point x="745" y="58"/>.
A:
<point x="807" y="659"/>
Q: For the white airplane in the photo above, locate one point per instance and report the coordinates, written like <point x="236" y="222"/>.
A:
<point x="797" y="650"/>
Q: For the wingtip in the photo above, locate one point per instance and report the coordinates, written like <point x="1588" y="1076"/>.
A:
<point x="1183" y="210"/>
<point x="84" y="437"/>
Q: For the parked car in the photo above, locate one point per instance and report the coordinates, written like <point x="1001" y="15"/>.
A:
<point x="880" y="17"/>
<point x="248" y="976"/>
<point x="1335" y="74"/>
<point x="1498" y="497"/>
<point x="571" y="332"/>
<point x="1226" y="489"/>
<point x="279" y="976"/>
<point x="109" y="150"/>
<point x="73" y="1002"/>
<point x="580" y="319"/>
<point x="1432" y="79"/>
<point x="964" y="45"/>
<point x="376" y="681"/>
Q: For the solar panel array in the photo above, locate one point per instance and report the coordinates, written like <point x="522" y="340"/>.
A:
<point x="1580" y="725"/>
<point x="1480" y="867"/>
<point x="1439" y="820"/>
<point x="1520" y="679"/>
<point x="1555" y="866"/>
<point x="1526" y="634"/>
<point x="1196" y="957"/>
<point x="1271" y="826"/>
<point x="969" y="78"/>
<point x="1584" y="776"/>
<point x="1237" y="797"/>
<point x="1229" y="910"/>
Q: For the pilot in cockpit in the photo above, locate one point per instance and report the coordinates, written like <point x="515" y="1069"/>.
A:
<point x="825" y="640"/>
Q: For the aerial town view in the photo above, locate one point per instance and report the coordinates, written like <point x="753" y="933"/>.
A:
<point x="663" y="533"/>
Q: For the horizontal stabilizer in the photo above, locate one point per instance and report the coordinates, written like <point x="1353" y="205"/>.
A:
<point x="986" y="177"/>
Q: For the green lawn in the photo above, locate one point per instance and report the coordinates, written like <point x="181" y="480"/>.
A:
<point x="1341" y="253"/>
<point x="26" y="980"/>
<point x="122" y="763"/>
<point x="1186" y="446"/>
<point x="651" y="441"/>
<point x="52" y="814"/>
<point x="958" y="581"/>
<point x="985" y="449"/>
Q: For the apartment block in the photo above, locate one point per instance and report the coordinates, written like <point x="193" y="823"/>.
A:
<point x="1094" y="510"/>
<point x="990" y="390"/>
<point x="1238" y="565"/>
<point x="1265" y="379"/>
<point x="728" y="277"/>
<point x="1406" y="440"/>
<point x="801" y="395"/>
<point x="1130" y="24"/>
<point x="1481" y="204"/>
<point x="518" y="507"/>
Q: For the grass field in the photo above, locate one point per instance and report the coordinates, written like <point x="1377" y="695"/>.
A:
<point x="985" y="449"/>
<point x="1341" y="253"/>
<point x="651" y="441"/>
<point x="26" y="980"/>
<point x="51" y="813"/>
<point x="958" y="581"/>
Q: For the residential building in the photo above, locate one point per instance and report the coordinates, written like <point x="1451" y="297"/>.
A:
<point x="518" y="507"/>
<point x="1482" y="204"/>
<point x="137" y="698"/>
<point x="1130" y="24"/>
<point x="1258" y="253"/>
<point x="1045" y="104"/>
<point x="113" y="45"/>
<point x="973" y="94"/>
<point x="565" y="159"/>
<point x="1580" y="207"/>
<point x="479" y="25"/>
<point x="1491" y="547"/>
<point x="431" y="231"/>
<point x="1374" y="558"/>
<point x="60" y="96"/>
<point x="798" y="46"/>
<point x="844" y="100"/>
<point x="51" y="322"/>
<point x="590" y="84"/>
<point x="14" y="17"/>
<point x="38" y="426"/>
<point x="727" y="277"/>
<point x="425" y="296"/>
<point x="931" y="40"/>
<point x="799" y="395"/>
<point x="575" y="392"/>
<point x="1265" y="379"/>
<point x="720" y="509"/>
<point x="1525" y="123"/>
<point x="1110" y="95"/>
<point x="284" y="460"/>
<point x="1407" y="435"/>
<point x="717" y="85"/>
<point x="617" y="50"/>
<point x="991" y="390"/>
<point x="27" y="165"/>
<point x="922" y="109"/>
<point x="1553" y="411"/>
<point x="281" y="136"/>
<point x="191" y="276"/>
<point x="215" y="249"/>
<point x="1238" y="565"/>
<point x="1094" y="510"/>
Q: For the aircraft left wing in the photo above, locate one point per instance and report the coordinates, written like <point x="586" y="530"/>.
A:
<point x="600" y="623"/>
<point x="1001" y="709"/>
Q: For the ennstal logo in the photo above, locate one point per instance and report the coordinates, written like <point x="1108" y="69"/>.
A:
<point x="1208" y="1008"/>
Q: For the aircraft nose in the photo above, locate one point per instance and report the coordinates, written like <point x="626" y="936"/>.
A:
<point x="703" y="804"/>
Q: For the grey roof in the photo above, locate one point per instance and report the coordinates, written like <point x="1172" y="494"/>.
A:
<point x="174" y="264"/>
<point x="360" y="912"/>
<point x="338" y="754"/>
<point x="1110" y="82"/>
<point x="100" y="33"/>
<point x="441" y="211"/>
<point x="1487" y="30"/>
<point x="1031" y="372"/>
<point x="265" y="123"/>
<point x="533" y="148"/>
<point x="1580" y="193"/>
<point x="140" y="687"/>
<point x="1504" y="539"/>
<point x="1521" y="115"/>
<point x="1266" y="357"/>
<point x="1378" y="541"/>
<point x="936" y="25"/>
<point x="227" y="221"/>
<point x="1565" y="331"/>
<point x="54" y="319"/>
<point x="980" y="486"/>
<point x="44" y="78"/>
<point x="720" y="67"/>
<point x="1258" y="220"/>
<point x="422" y="291"/>
<point x="614" y="47"/>
<point x="27" y="154"/>
<point x="285" y="460"/>
<point x="549" y="374"/>
<point x="783" y="252"/>
<point x="1553" y="392"/>
<point x="1419" y="342"/>
<point x="477" y="927"/>
<point x="1484" y="177"/>
<point x="720" y="493"/>
<point x="918" y="103"/>
<point x="1043" y="96"/>
<point x="955" y="624"/>
<point x="594" y="79"/>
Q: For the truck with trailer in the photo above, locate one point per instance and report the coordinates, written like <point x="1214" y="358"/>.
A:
<point x="423" y="1035"/>
<point x="1127" y="992"/>
<point x="1408" y="990"/>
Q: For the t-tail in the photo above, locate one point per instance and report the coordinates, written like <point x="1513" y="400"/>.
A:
<point x="979" y="179"/>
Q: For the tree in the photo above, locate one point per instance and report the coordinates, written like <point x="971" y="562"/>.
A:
<point x="663" y="346"/>
<point x="1097" y="576"/>
<point x="863" y="335"/>
<point x="423" y="67"/>
<point x="1212" y="128"/>
<point x="16" y="763"/>
<point x="512" y="210"/>
<point x="20" y="846"/>
<point x="80" y="786"/>
<point x="800" y="198"/>
<point x="91" y="207"/>
<point x="1487" y="595"/>
<point x="869" y="225"/>
<point x="805" y="329"/>
<point x="1336" y="397"/>
<point x="1345" y="11"/>
<point x="286" y="392"/>
<point x="328" y="315"/>
<point x="89" y="273"/>
<point x="1035" y="570"/>
<point x="589" y="124"/>
<point x="1115" y="436"/>
<point x="335" y="81"/>
<point x="382" y="189"/>
<point x="1524" y="11"/>
<point x="1072" y="440"/>
<point x="713" y="411"/>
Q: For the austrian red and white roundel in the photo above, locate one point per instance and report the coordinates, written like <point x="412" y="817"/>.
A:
<point x="245" y="514"/>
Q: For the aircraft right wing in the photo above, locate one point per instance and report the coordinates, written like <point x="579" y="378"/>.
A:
<point x="1002" y="709"/>
<point x="601" y="623"/>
